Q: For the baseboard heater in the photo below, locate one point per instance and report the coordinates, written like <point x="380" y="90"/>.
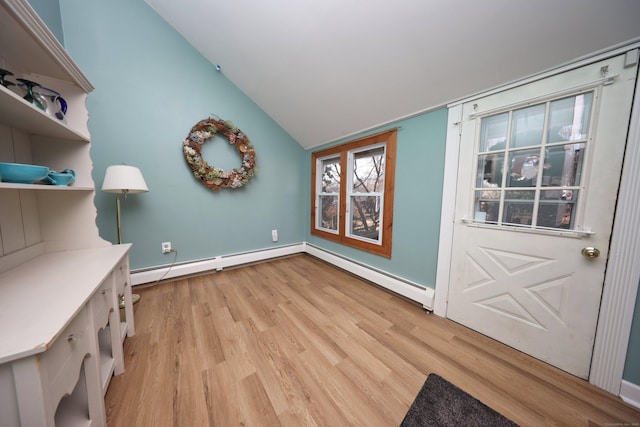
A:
<point x="413" y="291"/>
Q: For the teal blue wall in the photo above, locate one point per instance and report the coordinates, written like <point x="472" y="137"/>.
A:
<point x="49" y="11"/>
<point x="632" y="365"/>
<point x="417" y="201"/>
<point x="151" y="87"/>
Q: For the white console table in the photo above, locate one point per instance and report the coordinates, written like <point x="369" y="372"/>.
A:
<point x="61" y="335"/>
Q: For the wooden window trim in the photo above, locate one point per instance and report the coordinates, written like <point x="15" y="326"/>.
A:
<point x="390" y="138"/>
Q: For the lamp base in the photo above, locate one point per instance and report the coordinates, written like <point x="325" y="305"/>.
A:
<point x="134" y="299"/>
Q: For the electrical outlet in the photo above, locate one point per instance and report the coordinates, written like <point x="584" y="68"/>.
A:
<point x="166" y="247"/>
<point x="274" y="235"/>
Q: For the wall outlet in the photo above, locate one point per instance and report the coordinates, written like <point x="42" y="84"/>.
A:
<point x="274" y="235"/>
<point x="166" y="247"/>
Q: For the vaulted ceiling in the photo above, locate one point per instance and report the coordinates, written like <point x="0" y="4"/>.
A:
<point x="324" y="69"/>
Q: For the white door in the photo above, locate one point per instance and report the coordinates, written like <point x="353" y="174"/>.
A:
<point x="537" y="182"/>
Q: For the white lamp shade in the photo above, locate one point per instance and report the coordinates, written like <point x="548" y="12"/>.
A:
<point x="124" y="179"/>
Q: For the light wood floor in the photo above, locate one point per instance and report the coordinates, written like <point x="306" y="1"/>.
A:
<point x="296" y="342"/>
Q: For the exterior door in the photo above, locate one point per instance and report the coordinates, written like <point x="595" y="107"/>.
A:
<point x="537" y="183"/>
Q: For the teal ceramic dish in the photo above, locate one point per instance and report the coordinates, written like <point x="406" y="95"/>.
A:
<point x="66" y="177"/>
<point x="22" y="173"/>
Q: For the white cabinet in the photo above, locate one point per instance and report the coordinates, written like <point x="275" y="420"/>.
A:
<point x="60" y="328"/>
<point x="53" y="310"/>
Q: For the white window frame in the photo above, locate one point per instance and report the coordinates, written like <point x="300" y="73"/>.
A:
<point x="319" y="194"/>
<point x="350" y="193"/>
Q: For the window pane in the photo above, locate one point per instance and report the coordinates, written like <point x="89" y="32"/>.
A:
<point x="556" y="208"/>
<point x="487" y="206"/>
<point x="527" y="125"/>
<point x="368" y="171"/>
<point x="563" y="165"/>
<point x="523" y="168"/>
<point x="329" y="212"/>
<point x="331" y="175"/>
<point x="490" y="170"/>
<point x="569" y="118"/>
<point x="518" y="207"/>
<point x="493" y="132"/>
<point x="365" y="217"/>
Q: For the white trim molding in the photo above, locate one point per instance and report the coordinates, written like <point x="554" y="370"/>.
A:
<point x="630" y="393"/>
<point x="623" y="270"/>
<point x="447" y="213"/>
<point x="408" y="289"/>
<point x="40" y="33"/>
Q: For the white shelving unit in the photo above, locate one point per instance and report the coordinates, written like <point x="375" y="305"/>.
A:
<point x="59" y="281"/>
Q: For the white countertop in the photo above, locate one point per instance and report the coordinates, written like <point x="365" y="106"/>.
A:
<point x="39" y="298"/>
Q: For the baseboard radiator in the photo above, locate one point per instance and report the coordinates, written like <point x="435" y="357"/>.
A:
<point x="630" y="393"/>
<point x="408" y="289"/>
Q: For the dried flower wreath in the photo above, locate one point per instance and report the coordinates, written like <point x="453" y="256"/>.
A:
<point x="212" y="177"/>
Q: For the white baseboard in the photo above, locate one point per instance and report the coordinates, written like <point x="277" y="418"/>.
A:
<point x="413" y="291"/>
<point x="630" y="393"/>
<point x="217" y="263"/>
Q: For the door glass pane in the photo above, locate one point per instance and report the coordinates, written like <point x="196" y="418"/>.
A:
<point x="527" y="126"/>
<point x="329" y="212"/>
<point x="563" y="165"/>
<point x="523" y="168"/>
<point x="493" y="132"/>
<point x="569" y="118"/>
<point x="490" y="170"/>
<point x="365" y="217"/>
<point x="487" y="206"/>
<point x="518" y="207"/>
<point x="368" y="171"/>
<point x="557" y="208"/>
<point x="331" y="175"/>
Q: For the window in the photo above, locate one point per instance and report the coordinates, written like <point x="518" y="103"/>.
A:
<point x="529" y="164"/>
<point x="352" y="193"/>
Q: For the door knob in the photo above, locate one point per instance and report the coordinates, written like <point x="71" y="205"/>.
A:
<point x="590" y="252"/>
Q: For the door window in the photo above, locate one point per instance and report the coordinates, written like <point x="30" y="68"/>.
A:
<point x="530" y="162"/>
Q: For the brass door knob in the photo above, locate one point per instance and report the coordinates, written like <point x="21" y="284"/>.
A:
<point x="590" y="252"/>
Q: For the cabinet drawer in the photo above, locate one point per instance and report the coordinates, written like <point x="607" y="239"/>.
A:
<point x="102" y="304"/>
<point x="61" y="363"/>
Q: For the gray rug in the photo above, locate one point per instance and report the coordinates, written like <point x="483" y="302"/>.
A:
<point x="440" y="403"/>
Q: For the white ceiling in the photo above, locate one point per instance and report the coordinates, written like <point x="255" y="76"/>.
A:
<point x="324" y="69"/>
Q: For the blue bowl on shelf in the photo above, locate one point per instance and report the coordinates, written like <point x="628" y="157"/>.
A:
<point x="22" y="173"/>
<point x="66" y="177"/>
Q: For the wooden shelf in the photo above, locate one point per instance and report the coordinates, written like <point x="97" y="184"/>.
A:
<point x="45" y="187"/>
<point x="18" y="113"/>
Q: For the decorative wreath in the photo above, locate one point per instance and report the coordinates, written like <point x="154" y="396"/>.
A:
<point x="212" y="177"/>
